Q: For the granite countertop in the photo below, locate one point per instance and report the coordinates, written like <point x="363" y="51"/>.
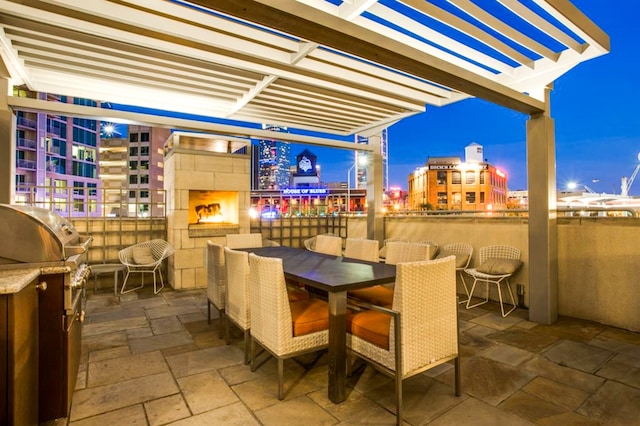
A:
<point x="14" y="280"/>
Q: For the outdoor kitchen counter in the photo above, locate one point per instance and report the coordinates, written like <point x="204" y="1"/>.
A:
<point x="14" y="280"/>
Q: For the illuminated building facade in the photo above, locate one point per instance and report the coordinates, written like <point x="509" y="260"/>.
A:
<point x="57" y="157"/>
<point x="273" y="162"/>
<point x="448" y="183"/>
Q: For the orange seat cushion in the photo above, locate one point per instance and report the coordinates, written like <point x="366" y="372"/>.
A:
<point x="372" y="326"/>
<point x="296" y="294"/>
<point x="376" y="295"/>
<point x="309" y="316"/>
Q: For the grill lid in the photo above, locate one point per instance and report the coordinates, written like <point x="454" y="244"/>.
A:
<point x="33" y="234"/>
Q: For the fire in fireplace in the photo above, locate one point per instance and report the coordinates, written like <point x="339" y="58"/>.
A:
<point x="211" y="207"/>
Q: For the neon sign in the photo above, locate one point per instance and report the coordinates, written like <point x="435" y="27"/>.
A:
<point x="304" y="191"/>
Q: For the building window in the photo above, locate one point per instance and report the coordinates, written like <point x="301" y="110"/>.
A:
<point x="442" y="177"/>
<point x="442" y="198"/>
<point x="144" y="179"/>
<point x="144" y="164"/>
<point x="133" y="179"/>
<point x="482" y="197"/>
<point x="132" y="194"/>
<point x="144" y="137"/>
<point x="482" y="174"/>
<point x="133" y="137"/>
<point x="470" y="177"/>
<point x="144" y="151"/>
<point x="133" y="151"/>
<point x="144" y="194"/>
<point x="455" y="178"/>
<point x="456" y="199"/>
<point x="471" y="197"/>
<point x="133" y="165"/>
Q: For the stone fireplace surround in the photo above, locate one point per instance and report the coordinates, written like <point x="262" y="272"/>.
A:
<point x="201" y="165"/>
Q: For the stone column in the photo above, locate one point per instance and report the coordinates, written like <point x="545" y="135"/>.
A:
<point x="7" y="145"/>
<point x="375" y="217"/>
<point x="543" y="239"/>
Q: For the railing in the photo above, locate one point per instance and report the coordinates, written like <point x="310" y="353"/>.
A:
<point x="26" y="122"/>
<point x="603" y="212"/>
<point x="114" y="220"/>
<point x="26" y="143"/>
<point x="75" y="202"/>
<point x="25" y="164"/>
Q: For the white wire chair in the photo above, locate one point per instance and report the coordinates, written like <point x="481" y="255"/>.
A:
<point x="237" y="309"/>
<point x="497" y="264"/>
<point x="463" y="253"/>
<point x="216" y="282"/>
<point x="422" y="325"/>
<point x="145" y="257"/>
<point x="276" y="322"/>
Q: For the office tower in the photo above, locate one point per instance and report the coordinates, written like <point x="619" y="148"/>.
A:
<point x="361" y="169"/>
<point x="273" y="161"/>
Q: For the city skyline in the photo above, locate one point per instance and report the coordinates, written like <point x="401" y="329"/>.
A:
<point x="597" y="139"/>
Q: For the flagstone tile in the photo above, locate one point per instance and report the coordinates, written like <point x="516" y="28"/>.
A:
<point x="580" y="356"/>
<point x="165" y="410"/>
<point x="125" y="368"/>
<point x="101" y="399"/>
<point x="163" y="341"/>
<point x="296" y="412"/>
<point x="206" y="391"/>
<point x="134" y="416"/>
<point x="556" y="393"/>
<point x="613" y="404"/>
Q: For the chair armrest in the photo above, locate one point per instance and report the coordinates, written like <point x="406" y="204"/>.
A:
<point x="364" y="305"/>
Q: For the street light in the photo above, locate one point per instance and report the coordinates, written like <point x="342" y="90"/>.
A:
<point x="362" y="160"/>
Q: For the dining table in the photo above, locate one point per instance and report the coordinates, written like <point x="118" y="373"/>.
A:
<point x="336" y="275"/>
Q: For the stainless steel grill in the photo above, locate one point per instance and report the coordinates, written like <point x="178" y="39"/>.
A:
<point x="33" y="237"/>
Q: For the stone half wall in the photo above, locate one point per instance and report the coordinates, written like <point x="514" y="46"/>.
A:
<point x="187" y="170"/>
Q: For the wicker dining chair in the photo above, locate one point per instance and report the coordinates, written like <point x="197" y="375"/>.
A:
<point x="216" y="282"/>
<point x="310" y="243"/>
<point x="496" y="265"/>
<point x="284" y="329"/>
<point x="382" y="253"/>
<point x="397" y="252"/>
<point x="435" y="248"/>
<point x="463" y="253"/>
<point x="328" y="244"/>
<point x="418" y="333"/>
<point x="362" y="249"/>
<point x="145" y="257"/>
<point x="237" y="309"/>
<point x="236" y="241"/>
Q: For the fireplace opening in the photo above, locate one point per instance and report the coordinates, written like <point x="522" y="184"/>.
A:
<point x="213" y="207"/>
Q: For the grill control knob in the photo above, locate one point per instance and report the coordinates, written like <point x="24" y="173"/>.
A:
<point x="42" y="286"/>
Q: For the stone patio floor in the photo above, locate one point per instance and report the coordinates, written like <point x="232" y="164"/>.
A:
<point x="154" y="360"/>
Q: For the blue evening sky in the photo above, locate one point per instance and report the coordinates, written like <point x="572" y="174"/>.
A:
<point x="595" y="108"/>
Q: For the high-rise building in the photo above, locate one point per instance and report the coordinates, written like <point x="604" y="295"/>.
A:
<point x="134" y="163"/>
<point x="448" y="183"/>
<point x="56" y="157"/>
<point x="361" y="168"/>
<point x="273" y="161"/>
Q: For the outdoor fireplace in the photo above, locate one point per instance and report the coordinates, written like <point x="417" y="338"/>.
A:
<point x="212" y="213"/>
<point x="208" y="180"/>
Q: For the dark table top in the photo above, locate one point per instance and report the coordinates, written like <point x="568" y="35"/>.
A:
<point x="330" y="273"/>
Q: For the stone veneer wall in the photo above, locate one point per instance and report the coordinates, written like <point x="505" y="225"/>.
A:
<point x="206" y="171"/>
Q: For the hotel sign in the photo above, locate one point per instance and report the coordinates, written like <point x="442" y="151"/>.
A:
<point x="304" y="191"/>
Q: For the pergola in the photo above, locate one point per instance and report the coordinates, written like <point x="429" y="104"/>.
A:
<point x="333" y="67"/>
